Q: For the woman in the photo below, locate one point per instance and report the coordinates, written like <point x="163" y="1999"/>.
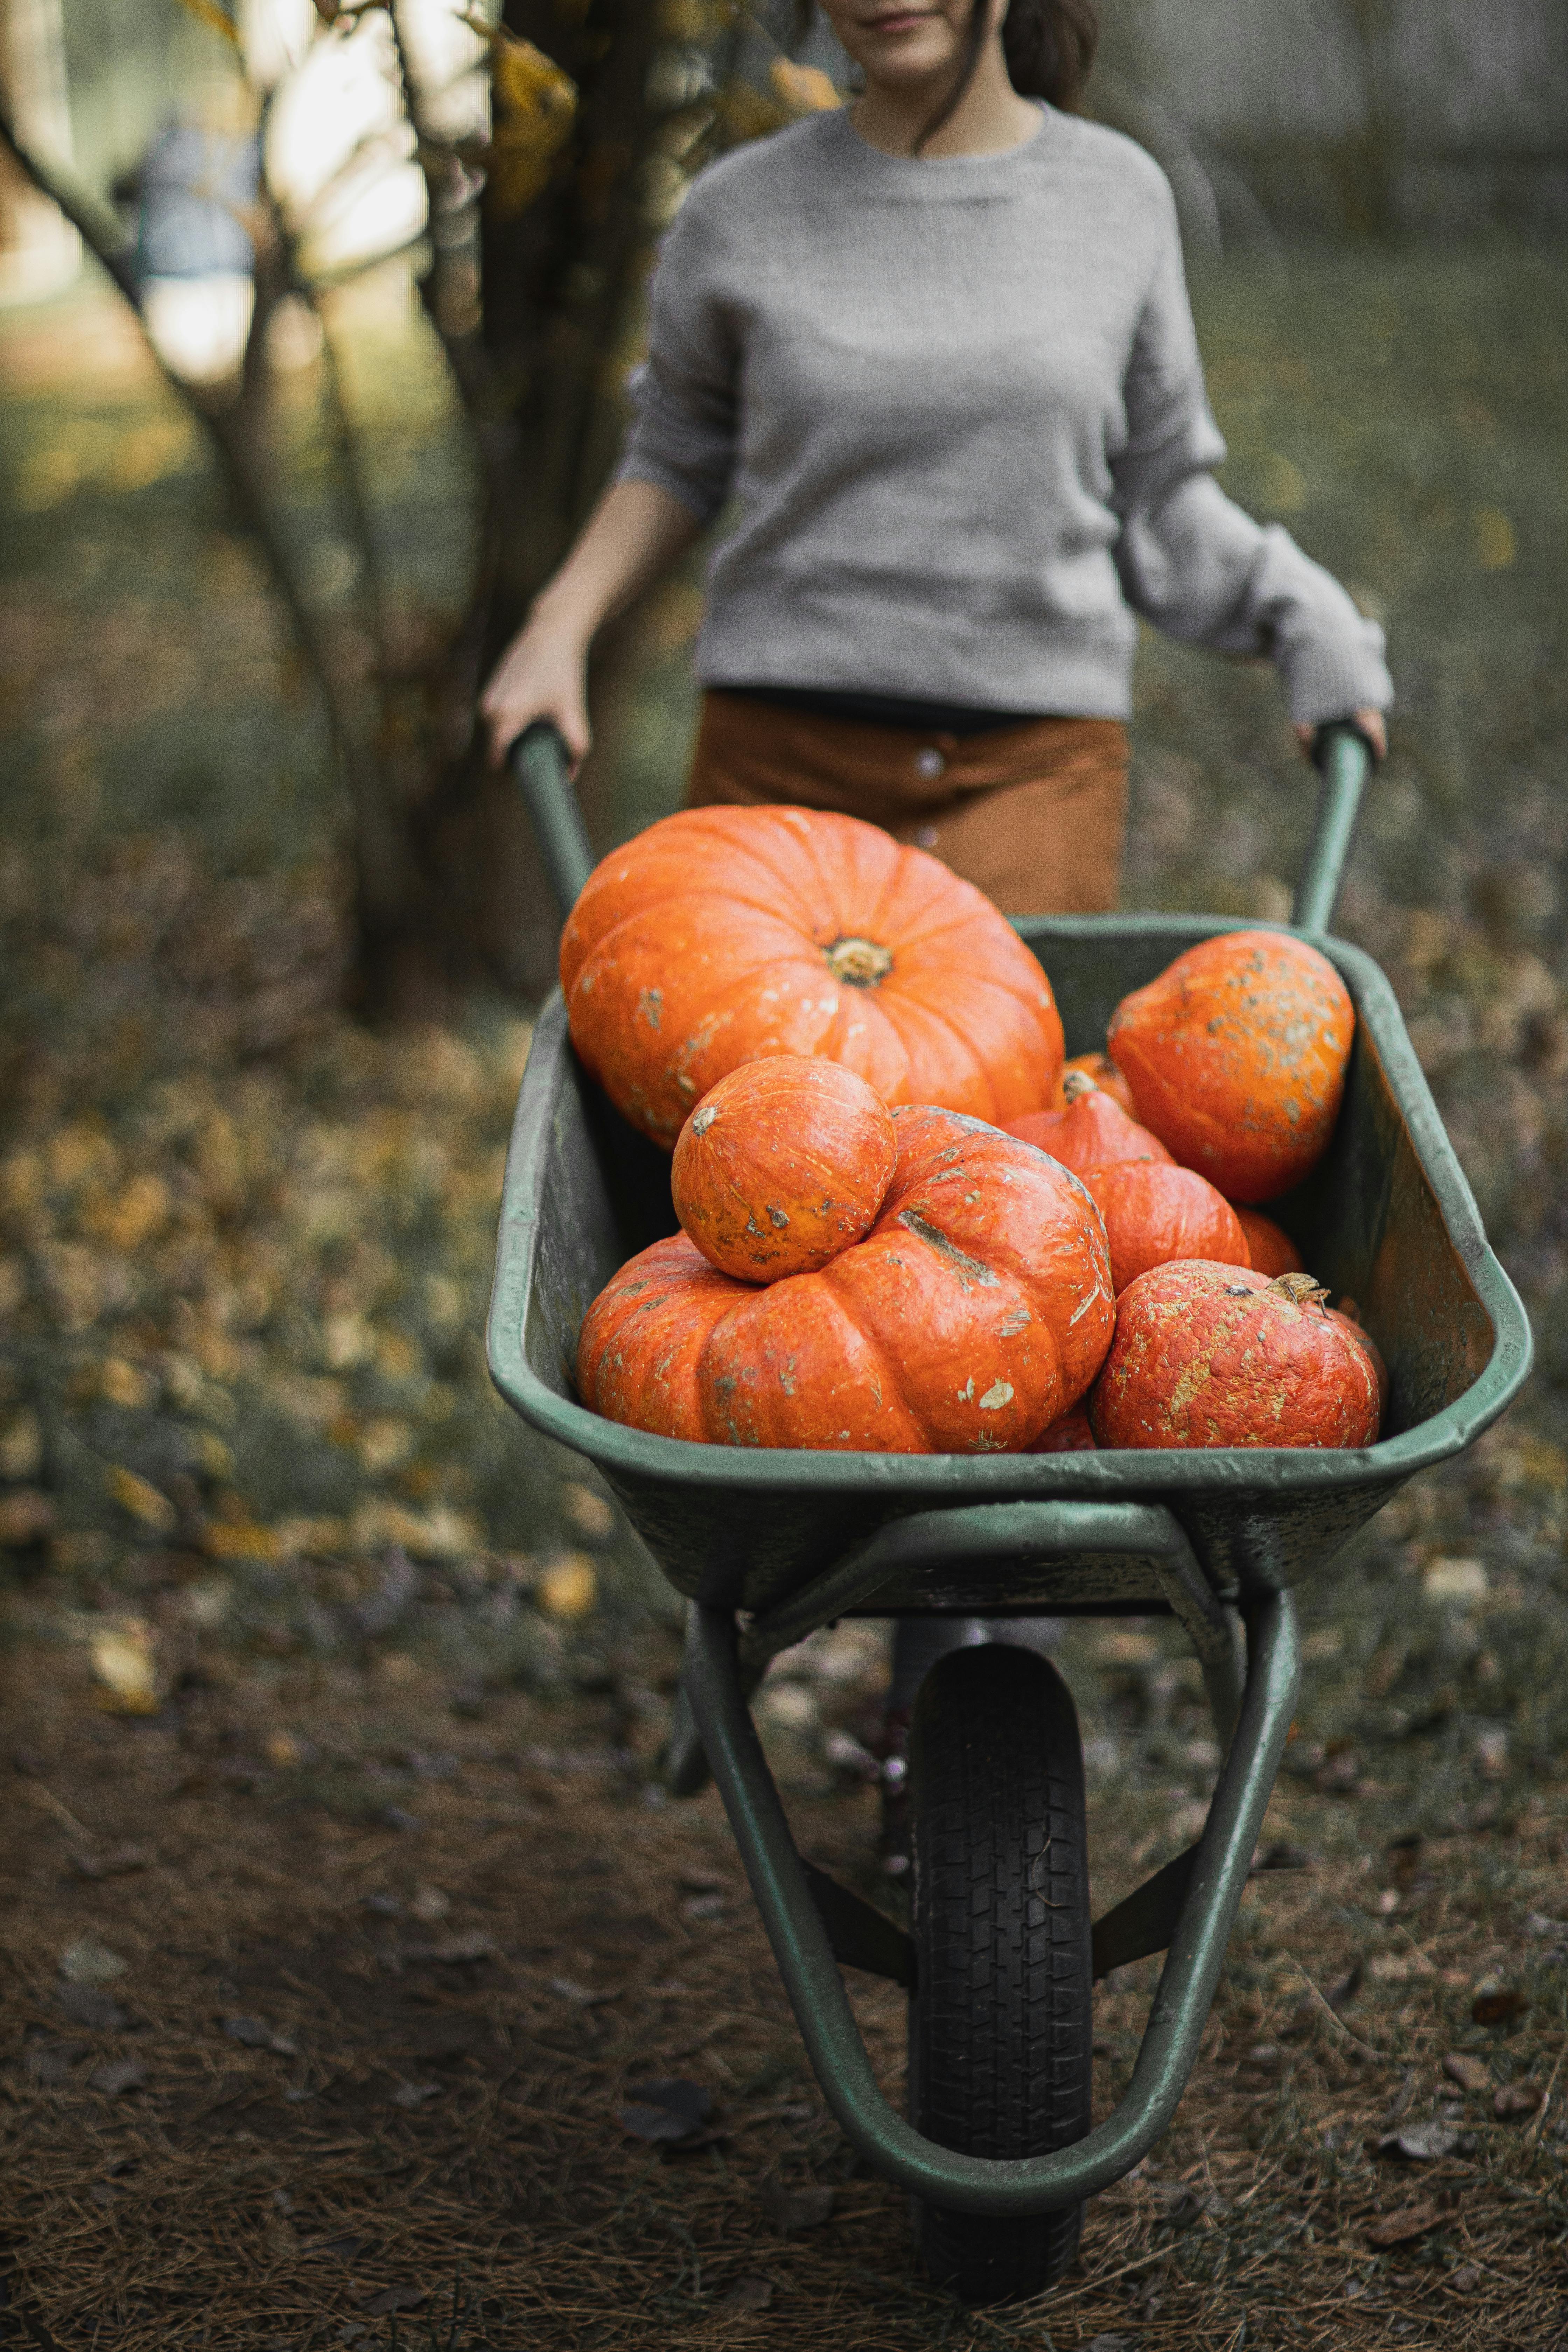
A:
<point x="937" y="348"/>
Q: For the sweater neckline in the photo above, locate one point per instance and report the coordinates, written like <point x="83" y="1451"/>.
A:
<point x="932" y="178"/>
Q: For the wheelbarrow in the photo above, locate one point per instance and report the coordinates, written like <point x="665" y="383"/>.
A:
<point x="999" y="2149"/>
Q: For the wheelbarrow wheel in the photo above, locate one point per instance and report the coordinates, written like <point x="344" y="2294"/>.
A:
<point x="1000" y="2041"/>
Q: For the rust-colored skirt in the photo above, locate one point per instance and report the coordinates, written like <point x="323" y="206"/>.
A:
<point x="1033" y="813"/>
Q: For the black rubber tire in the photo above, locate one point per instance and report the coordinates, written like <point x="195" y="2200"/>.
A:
<point x="1001" y="2022"/>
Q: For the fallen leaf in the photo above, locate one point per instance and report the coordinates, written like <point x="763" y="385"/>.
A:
<point x="1514" y="2101"/>
<point x="1426" y="2143"/>
<point x="87" y="1961"/>
<point x="1410" y="2221"/>
<point x="1536" y="1923"/>
<point x="143" y="1500"/>
<point x="457" y="1950"/>
<point x="124" y="1654"/>
<point x="795" y="2209"/>
<point x="117" y="1862"/>
<point x="1471" y="2074"/>
<point x="569" y="1587"/>
<point x="590" y="1513"/>
<point x="52" y="2067"/>
<point x="117" y="2074"/>
<point x="1466" y="2279"/>
<point x="282" y="1750"/>
<point x="414" y="2094"/>
<point x="279" y="2238"/>
<point x="85" y="2005"/>
<point x="255" y="2033"/>
<point x="669" y="2109"/>
<point x="746" y="2294"/>
<point x="1455" y="1581"/>
<point x="25" y="1517"/>
<point x="430" y="1905"/>
<point x="395" y="2298"/>
<point x="1499" y="2004"/>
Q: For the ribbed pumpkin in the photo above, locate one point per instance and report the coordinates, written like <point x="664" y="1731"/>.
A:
<point x="1271" y="1248"/>
<point x="1154" y="1213"/>
<point x="974" y="1315"/>
<point x="1106" y="1076"/>
<point x="1091" y="1131"/>
<point x="782" y="1165"/>
<point x="723" y="934"/>
<point x="1214" y="1355"/>
<point x="1236" y="1058"/>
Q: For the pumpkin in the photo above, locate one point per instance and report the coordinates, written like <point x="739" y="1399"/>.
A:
<point x="1271" y="1249"/>
<point x="1090" y="1132"/>
<point x="721" y="935"/>
<point x="1236" y="1058"/>
<point x="783" y="1164"/>
<point x="1348" y="1313"/>
<point x="1106" y="1076"/>
<point x="1154" y="1213"/>
<point x="1071" y="1434"/>
<point x="972" y="1316"/>
<point x="1216" y="1355"/>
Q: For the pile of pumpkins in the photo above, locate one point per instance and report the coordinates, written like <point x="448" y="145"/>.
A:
<point x="907" y="1226"/>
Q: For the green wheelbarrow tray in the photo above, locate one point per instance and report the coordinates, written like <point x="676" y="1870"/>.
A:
<point x="799" y="1538"/>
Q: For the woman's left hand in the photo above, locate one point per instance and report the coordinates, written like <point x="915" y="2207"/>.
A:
<point x="1374" y="724"/>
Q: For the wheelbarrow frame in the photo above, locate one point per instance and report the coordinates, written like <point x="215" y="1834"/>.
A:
<point x="796" y="1540"/>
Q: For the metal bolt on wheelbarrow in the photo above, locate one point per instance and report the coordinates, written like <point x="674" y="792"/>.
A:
<point x="999" y="2149"/>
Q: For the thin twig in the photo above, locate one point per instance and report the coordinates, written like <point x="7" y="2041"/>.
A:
<point x="1333" y="2017"/>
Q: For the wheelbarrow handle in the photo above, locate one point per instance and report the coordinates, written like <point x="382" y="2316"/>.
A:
<point x="539" y="762"/>
<point x="1344" y="756"/>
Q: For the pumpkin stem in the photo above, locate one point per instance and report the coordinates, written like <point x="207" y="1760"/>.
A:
<point x="861" y="962"/>
<point x="1076" y="1083"/>
<point x="1300" y="1289"/>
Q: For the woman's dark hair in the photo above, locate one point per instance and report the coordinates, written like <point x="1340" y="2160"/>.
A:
<point x="1049" y="46"/>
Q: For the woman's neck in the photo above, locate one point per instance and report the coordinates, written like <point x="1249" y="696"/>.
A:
<point x="989" y="119"/>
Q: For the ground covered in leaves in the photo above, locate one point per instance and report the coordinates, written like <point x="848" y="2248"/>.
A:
<point x="345" y="1915"/>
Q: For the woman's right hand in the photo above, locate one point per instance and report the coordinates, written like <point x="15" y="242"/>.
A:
<point x="542" y="674"/>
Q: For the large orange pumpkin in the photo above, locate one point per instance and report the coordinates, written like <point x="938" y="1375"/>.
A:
<point x="974" y="1315"/>
<point x="1091" y="1131"/>
<point x="1106" y="1076"/>
<point x="1236" y="1058"/>
<point x="1154" y="1213"/>
<point x="782" y="1165"/>
<point x="1270" y="1247"/>
<point x="1214" y="1355"/>
<point x="723" y="934"/>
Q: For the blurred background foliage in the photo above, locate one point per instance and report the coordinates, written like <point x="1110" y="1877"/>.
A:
<point x="267" y="526"/>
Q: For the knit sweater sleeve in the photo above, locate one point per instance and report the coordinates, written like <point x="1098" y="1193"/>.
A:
<point x="686" y="394"/>
<point x="1193" y="562"/>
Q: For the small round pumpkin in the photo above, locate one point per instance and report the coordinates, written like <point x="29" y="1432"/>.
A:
<point x="974" y="1315"/>
<point x="782" y="1165"/>
<point x="1236" y="1058"/>
<point x="1214" y="1355"/>
<point x="1154" y="1213"/>
<point x="723" y="934"/>
<point x="1106" y="1076"/>
<point x="1270" y="1247"/>
<point x="1091" y="1131"/>
<point x="1071" y="1434"/>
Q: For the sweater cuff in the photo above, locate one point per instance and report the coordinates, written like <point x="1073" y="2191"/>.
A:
<point x="1333" y="677"/>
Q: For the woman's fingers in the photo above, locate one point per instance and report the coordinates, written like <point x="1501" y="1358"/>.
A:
<point x="537" y="677"/>
<point x="1374" y="724"/>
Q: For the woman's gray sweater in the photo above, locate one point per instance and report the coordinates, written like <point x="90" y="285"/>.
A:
<point x="960" y="408"/>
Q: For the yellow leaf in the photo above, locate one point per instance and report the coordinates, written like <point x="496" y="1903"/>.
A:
<point x="805" y="90"/>
<point x="569" y="1587"/>
<point x="144" y="1502"/>
<point x="125" y="1660"/>
<point x="208" y="12"/>
<point x="240" y="1539"/>
<point x="532" y="104"/>
<point x="1497" y="540"/>
<point x="126" y="1384"/>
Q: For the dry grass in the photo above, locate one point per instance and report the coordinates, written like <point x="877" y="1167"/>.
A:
<point x="246" y="2197"/>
